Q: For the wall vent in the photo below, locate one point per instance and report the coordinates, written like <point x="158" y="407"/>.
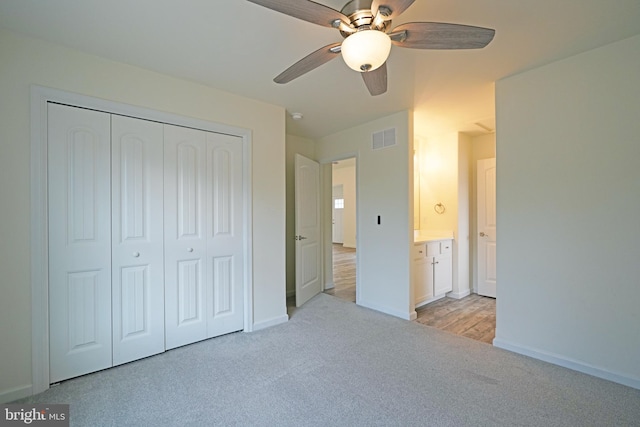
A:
<point x="384" y="138"/>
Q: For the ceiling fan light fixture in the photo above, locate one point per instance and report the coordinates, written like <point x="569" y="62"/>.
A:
<point x="366" y="50"/>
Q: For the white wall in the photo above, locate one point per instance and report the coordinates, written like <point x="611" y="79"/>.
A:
<point x="304" y="147"/>
<point x="385" y="188"/>
<point x="28" y="61"/>
<point x="568" y="206"/>
<point x="461" y="249"/>
<point x="346" y="176"/>
<point x="438" y="156"/>
<point x="483" y="146"/>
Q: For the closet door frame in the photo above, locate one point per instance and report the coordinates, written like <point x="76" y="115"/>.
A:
<point x="40" y="97"/>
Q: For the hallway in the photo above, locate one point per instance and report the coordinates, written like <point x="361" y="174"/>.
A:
<point x="344" y="273"/>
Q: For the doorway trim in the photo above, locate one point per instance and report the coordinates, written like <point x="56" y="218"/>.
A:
<point x="337" y="212"/>
<point x="40" y="97"/>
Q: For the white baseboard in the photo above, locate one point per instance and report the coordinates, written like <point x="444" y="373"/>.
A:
<point x="270" y="322"/>
<point x="410" y="315"/>
<point x="565" y="362"/>
<point x="459" y="295"/>
<point x="329" y="285"/>
<point x="16" y="393"/>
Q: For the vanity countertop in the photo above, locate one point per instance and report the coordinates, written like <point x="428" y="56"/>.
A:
<point x="423" y="236"/>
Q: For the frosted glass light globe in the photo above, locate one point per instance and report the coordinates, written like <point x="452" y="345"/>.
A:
<point x="366" y="50"/>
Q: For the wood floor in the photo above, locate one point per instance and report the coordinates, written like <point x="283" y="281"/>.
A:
<point x="344" y="273"/>
<point x="473" y="316"/>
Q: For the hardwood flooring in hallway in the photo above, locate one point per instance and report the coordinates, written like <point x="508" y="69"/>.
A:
<point x="473" y="316"/>
<point x="344" y="273"/>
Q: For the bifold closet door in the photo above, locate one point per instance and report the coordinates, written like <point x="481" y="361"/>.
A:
<point x="106" y="271"/>
<point x="185" y="237"/>
<point x="204" y="235"/>
<point x="137" y="238"/>
<point x="79" y="211"/>
<point x="146" y="238"/>
<point x="225" y="235"/>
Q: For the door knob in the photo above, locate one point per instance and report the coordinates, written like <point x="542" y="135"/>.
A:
<point x="189" y="249"/>
<point x="136" y="254"/>
<point x="482" y="234"/>
<point x="300" y="238"/>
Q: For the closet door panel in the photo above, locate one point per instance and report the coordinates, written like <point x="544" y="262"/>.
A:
<point x="79" y="215"/>
<point x="225" y="235"/>
<point x="185" y="235"/>
<point x="137" y="238"/>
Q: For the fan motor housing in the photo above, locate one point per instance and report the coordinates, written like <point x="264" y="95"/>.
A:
<point x="360" y="16"/>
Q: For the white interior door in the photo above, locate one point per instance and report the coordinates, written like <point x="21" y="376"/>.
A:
<point x="185" y="235"/>
<point x="147" y="238"/>
<point x="204" y="235"/>
<point x="307" y="217"/>
<point x="486" y="208"/>
<point x="338" y="214"/>
<point x="225" y="235"/>
<point x="137" y="238"/>
<point x="79" y="213"/>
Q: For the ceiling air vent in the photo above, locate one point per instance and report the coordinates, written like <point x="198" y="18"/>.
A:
<point x="384" y="138"/>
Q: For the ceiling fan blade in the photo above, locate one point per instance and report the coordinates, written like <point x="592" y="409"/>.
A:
<point x="376" y="80"/>
<point x="439" y="35"/>
<point x="396" y="7"/>
<point x="306" y="10"/>
<point x="309" y="62"/>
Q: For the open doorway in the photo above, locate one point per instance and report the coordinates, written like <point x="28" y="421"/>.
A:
<point x="470" y="309"/>
<point x="343" y="232"/>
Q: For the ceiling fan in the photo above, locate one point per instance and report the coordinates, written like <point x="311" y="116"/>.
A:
<point x="366" y="28"/>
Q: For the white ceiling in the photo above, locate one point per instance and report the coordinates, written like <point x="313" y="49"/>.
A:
<point x="240" y="47"/>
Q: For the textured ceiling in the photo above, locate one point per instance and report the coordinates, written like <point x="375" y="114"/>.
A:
<point x="239" y="47"/>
